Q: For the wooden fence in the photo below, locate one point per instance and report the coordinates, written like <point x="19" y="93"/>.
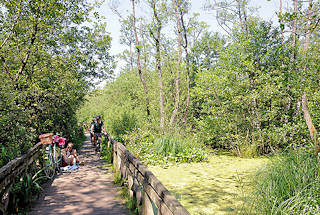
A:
<point x="15" y="168"/>
<point x="149" y="192"/>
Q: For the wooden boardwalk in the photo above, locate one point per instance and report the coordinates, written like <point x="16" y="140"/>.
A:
<point x="88" y="190"/>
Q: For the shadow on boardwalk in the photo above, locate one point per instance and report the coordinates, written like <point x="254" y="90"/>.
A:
<point x="88" y="190"/>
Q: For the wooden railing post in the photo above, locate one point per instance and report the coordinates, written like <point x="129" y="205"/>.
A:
<point x="111" y="146"/>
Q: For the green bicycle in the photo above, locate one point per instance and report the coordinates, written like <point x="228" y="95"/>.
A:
<point x="52" y="161"/>
<point x="53" y="157"/>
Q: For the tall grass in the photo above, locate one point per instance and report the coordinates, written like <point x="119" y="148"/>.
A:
<point x="169" y="146"/>
<point x="178" y="150"/>
<point x="290" y="185"/>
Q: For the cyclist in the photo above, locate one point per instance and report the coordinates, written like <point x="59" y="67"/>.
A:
<point x="97" y="128"/>
<point x="92" y="138"/>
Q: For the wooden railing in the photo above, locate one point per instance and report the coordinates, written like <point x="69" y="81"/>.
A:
<point x="15" y="168"/>
<point x="149" y="192"/>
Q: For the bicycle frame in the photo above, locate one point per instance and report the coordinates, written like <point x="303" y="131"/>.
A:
<point x="98" y="142"/>
<point x="53" y="159"/>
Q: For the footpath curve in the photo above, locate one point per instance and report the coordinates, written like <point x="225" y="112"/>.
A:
<point x="88" y="190"/>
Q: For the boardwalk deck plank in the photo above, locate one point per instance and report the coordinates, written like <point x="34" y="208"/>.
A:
<point x="89" y="190"/>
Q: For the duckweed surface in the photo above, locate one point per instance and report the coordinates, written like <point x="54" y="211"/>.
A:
<point x="215" y="187"/>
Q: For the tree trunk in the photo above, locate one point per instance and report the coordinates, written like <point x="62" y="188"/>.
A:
<point x="294" y="30"/>
<point x="185" y="46"/>
<point x="243" y="7"/>
<point x="239" y="14"/>
<point x="307" y="117"/>
<point x="281" y="19"/>
<point x="158" y="63"/>
<point x="145" y="88"/>
<point x="306" y="42"/>
<point x="177" y="96"/>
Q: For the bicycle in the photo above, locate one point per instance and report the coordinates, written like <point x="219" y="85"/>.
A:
<point x="53" y="159"/>
<point x="98" y="143"/>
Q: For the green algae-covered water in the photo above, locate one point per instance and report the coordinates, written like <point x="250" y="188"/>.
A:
<point x="215" y="187"/>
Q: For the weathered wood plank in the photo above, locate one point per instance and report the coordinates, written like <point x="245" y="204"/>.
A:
<point x="158" y="201"/>
<point x="10" y="166"/>
<point x="19" y="166"/>
<point x="147" y="208"/>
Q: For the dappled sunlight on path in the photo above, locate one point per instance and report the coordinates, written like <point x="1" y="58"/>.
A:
<point x="88" y="190"/>
<point x="210" y="188"/>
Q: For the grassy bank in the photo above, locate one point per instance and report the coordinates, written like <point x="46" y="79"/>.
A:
<point x="213" y="187"/>
<point x="289" y="185"/>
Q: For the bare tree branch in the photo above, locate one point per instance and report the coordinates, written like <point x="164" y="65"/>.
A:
<point x="26" y="58"/>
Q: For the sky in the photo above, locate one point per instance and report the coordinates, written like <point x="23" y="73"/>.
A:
<point x="266" y="10"/>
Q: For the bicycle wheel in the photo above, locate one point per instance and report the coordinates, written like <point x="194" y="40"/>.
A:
<point x="97" y="146"/>
<point x="56" y="159"/>
<point x="50" y="166"/>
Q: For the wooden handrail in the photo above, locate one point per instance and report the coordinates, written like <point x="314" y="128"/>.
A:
<point x="143" y="184"/>
<point x="15" y="168"/>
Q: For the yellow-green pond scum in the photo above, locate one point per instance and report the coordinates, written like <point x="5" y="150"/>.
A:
<point x="219" y="186"/>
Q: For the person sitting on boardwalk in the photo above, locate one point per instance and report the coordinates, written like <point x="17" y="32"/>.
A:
<point x="70" y="156"/>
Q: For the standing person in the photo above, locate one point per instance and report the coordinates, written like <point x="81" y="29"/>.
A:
<point x="97" y="128"/>
<point x="92" y="137"/>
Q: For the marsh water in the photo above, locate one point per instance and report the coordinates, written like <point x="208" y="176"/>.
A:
<point x="219" y="186"/>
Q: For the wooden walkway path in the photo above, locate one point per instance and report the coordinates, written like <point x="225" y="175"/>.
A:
<point x="88" y="190"/>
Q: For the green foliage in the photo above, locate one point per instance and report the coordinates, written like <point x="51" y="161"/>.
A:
<point x="106" y="152"/>
<point x="47" y="60"/>
<point x="25" y="190"/>
<point x="289" y="185"/>
<point x="164" y="150"/>
<point x="131" y="203"/>
<point x="173" y="149"/>
<point x="117" y="179"/>
<point x="245" y="87"/>
<point x="250" y="95"/>
<point x="78" y="139"/>
<point x="125" y="124"/>
<point x="168" y="146"/>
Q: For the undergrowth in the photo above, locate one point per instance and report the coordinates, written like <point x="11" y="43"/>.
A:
<point x="131" y="203"/>
<point x="26" y="189"/>
<point x="289" y="185"/>
<point x="106" y="152"/>
<point x="163" y="150"/>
